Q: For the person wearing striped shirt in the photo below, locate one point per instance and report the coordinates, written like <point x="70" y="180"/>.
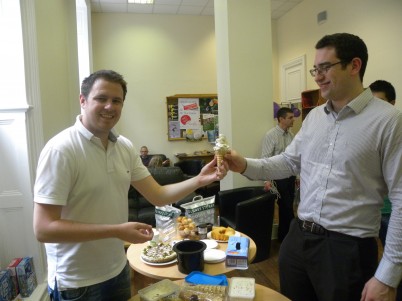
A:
<point x="349" y="156"/>
<point x="275" y="141"/>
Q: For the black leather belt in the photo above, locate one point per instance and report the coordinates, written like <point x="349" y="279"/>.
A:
<point x="311" y="227"/>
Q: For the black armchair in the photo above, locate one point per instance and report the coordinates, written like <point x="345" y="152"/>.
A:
<point x="191" y="167"/>
<point x="249" y="210"/>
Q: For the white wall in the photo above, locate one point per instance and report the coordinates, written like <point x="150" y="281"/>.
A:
<point x="162" y="55"/>
<point x="377" y="22"/>
<point x="58" y="64"/>
<point x="159" y="56"/>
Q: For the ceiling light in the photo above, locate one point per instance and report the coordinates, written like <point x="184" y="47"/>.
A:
<point x="141" y="1"/>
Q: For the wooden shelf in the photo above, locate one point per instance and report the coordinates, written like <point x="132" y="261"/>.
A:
<point x="310" y="99"/>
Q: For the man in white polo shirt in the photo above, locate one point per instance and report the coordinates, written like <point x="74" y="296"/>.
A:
<point x="80" y="197"/>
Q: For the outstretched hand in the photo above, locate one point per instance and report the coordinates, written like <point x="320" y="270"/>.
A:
<point x="211" y="172"/>
<point x="136" y="232"/>
<point x="235" y="162"/>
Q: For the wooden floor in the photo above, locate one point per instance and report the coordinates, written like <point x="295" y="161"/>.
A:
<point x="265" y="273"/>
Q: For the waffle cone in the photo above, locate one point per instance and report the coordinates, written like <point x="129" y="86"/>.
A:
<point x="219" y="158"/>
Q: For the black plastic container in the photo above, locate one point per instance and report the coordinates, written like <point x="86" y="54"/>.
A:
<point x="190" y="255"/>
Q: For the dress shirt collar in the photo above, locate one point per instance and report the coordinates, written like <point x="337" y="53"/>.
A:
<point x="356" y="105"/>
<point x="281" y="130"/>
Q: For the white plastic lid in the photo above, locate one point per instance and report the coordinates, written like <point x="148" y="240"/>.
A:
<point x="214" y="255"/>
<point x="242" y="287"/>
<point x="211" y="244"/>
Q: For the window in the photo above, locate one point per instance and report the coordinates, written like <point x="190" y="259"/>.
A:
<point x="12" y="75"/>
<point x="83" y="39"/>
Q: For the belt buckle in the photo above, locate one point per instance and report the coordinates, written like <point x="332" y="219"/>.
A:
<point x="307" y="226"/>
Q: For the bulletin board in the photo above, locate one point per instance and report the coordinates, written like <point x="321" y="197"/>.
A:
<point x="192" y="117"/>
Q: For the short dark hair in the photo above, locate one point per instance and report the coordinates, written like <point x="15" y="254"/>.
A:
<point x="108" y="75"/>
<point x="282" y="112"/>
<point x="384" y="86"/>
<point x="347" y="47"/>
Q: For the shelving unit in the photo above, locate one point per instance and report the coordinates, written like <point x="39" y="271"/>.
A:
<point x="310" y="99"/>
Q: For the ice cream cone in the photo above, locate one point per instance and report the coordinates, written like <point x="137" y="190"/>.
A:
<point x="221" y="148"/>
<point x="219" y="158"/>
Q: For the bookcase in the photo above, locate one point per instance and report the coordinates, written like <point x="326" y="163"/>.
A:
<point x="309" y="100"/>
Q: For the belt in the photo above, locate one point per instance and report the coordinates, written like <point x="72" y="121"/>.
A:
<point x="311" y="227"/>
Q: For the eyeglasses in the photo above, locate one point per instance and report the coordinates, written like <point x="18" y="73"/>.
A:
<point x="322" y="69"/>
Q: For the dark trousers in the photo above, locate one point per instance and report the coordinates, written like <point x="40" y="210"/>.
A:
<point x="116" y="289"/>
<point x="326" y="267"/>
<point x="286" y="188"/>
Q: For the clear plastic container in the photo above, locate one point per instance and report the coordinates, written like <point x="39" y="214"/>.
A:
<point x="241" y="289"/>
<point x="164" y="290"/>
<point x="203" y="292"/>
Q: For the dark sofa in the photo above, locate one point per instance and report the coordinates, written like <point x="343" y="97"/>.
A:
<point x="163" y="157"/>
<point x="139" y="209"/>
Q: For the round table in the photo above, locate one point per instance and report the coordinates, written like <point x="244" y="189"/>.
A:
<point x="171" y="271"/>
<point x="262" y="293"/>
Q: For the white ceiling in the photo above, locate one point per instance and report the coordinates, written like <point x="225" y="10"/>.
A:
<point x="180" y="7"/>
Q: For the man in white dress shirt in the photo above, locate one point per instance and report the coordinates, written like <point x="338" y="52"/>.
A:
<point x="349" y="156"/>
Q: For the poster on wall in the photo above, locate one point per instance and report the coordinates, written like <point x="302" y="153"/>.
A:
<point x="173" y="112"/>
<point x="192" y="117"/>
<point x="189" y="118"/>
<point x="189" y="113"/>
<point x="174" y="129"/>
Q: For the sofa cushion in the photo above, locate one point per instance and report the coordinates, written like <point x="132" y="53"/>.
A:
<point x="167" y="175"/>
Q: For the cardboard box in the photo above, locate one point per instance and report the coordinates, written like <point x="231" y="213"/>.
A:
<point x="6" y="286"/>
<point x="237" y="252"/>
<point x="12" y="267"/>
<point x="26" y="276"/>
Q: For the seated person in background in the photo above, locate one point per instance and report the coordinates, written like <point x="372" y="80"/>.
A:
<point x="156" y="161"/>
<point x="145" y="158"/>
<point x="144" y="155"/>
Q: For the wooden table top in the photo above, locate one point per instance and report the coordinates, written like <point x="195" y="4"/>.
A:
<point x="262" y="293"/>
<point x="171" y="271"/>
